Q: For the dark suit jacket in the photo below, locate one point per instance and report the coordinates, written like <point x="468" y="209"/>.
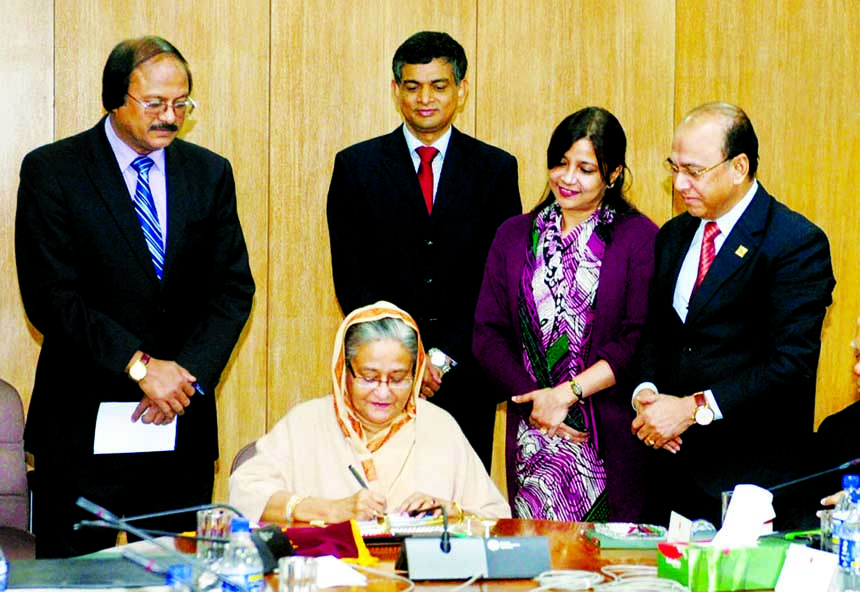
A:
<point x="88" y="285"/>
<point x="752" y="335"/>
<point x="385" y="246"/>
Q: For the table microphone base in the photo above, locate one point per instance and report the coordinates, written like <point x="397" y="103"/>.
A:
<point x="493" y="558"/>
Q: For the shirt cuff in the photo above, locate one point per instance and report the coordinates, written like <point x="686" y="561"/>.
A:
<point x="712" y="403"/>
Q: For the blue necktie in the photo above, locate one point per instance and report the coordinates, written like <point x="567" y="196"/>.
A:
<point x="144" y="205"/>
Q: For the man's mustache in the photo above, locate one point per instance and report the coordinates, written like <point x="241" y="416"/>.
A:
<point x="167" y="127"/>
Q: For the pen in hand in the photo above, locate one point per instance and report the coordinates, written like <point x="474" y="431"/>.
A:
<point x="197" y="387"/>
<point x="379" y="518"/>
<point x="358" y="477"/>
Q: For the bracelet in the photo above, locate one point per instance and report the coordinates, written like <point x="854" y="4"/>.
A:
<point x="459" y="509"/>
<point x="292" y="503"/>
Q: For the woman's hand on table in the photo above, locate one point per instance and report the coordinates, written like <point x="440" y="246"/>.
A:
<point x="419" y="502"/>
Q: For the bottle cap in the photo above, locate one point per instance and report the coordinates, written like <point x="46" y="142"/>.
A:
<point x="239" y="524"/>
<point x="179" y="573"/>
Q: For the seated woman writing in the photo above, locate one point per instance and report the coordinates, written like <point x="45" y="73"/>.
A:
<point x="408" y="454"/>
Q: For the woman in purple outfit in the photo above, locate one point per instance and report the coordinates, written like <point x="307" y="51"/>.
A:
<point x="561" y="308"/>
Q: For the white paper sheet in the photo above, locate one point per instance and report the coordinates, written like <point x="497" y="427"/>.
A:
<point x="115" y="433"/>
<point x="331" y="571"/>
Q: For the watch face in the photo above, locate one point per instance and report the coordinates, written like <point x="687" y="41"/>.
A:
<point x="704" y="415"/>
<point x="137" y="371"/>
<point x="438" y="359"/>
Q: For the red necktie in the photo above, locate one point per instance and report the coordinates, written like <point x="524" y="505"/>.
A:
<point x="709" y="251"/>
<point x="425" y="174"/>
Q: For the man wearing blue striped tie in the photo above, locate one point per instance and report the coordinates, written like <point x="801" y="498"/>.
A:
<point x="133" y="266"/>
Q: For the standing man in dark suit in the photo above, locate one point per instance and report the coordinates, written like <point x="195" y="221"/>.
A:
<point x="415" y="230"/>
<point x="730" y="352"/>
<point x="136" y="273"/>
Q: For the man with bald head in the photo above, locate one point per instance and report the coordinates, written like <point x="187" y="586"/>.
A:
<point x="728" y="361"/>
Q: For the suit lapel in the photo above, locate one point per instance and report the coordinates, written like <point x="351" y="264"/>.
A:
<point x="680" y="244"/>
<point x="104" y="173"/>
<point x="739" y="248"/>
<point x="454" y="169"/>
<point x="398" y="162"/>
<point x="178" y="202"/>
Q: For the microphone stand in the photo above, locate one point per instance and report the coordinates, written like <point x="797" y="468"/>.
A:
<point x="842" y="467"/>
<point x="445" y="539"/>
<point x="109" y="520"/>
<point x="183" y="511"/>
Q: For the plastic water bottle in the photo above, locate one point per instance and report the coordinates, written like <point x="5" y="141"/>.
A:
<point x="849" y="545"/>
<point x="179" y="578"/>
<point x="840" y="512"/>
<point x="241" y="564"/>
<point x="4" y="572"/>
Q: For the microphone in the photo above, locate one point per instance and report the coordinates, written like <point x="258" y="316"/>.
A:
<point x="109" y="520"/>
<point x="445" y="539"/>
<point x="842" y="467"/>
<point x="426" y="558"/>
<point x="271" y="542"/>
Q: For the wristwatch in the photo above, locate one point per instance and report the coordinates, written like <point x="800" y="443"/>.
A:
<point x="441" y="360"/>
<point x="577" y="390"/>
<point x="702" y="415"/>
<point x="137" y="372"/>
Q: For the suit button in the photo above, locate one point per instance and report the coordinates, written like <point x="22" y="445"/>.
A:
<point x="687" y="349"/>
<point x="428" y="281"/>
<point x="429" y="243"/>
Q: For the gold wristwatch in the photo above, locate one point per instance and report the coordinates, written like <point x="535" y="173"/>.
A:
<point x="137" y="372"/>
<point x="702" y="415"/>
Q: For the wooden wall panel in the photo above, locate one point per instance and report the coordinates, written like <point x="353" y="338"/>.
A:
<point x="226" y="45"/>
<point x="787" y="64"/>
<point x="26" y="69"/>
<point x="542" y="60"/>
<point x="331" y="74"/>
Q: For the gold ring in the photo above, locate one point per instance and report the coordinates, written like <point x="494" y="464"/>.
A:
<point x="650" y="442"/>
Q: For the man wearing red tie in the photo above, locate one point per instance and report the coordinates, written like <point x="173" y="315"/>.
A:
<point x="411" y="215"/>
<point x="727" y="364"/>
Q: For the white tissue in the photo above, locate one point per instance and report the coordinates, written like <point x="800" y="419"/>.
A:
<point x="750" y="514"/>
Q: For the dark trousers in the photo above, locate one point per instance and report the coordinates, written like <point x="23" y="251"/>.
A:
<point x="466" y="394"/>
<point x="125" y="485"/>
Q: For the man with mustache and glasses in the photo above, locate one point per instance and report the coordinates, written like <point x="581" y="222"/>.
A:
<point x="133" y="266"/>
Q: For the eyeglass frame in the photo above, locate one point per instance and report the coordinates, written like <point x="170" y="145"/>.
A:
<point x="151" y="106"/>
<point x="695" y="175"/>
<point x="375" y="384"/>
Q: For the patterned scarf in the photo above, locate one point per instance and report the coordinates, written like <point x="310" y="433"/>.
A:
<point x="556" y="300"/>
<point x="557" y="479"/>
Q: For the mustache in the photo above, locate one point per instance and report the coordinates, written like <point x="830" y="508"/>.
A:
<point x="168" y="127"/>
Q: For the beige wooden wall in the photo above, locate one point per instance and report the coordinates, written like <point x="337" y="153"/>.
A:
<point x="284" y="84"/>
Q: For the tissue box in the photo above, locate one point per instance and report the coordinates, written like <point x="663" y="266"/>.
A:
<point x="703" y="568"/>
